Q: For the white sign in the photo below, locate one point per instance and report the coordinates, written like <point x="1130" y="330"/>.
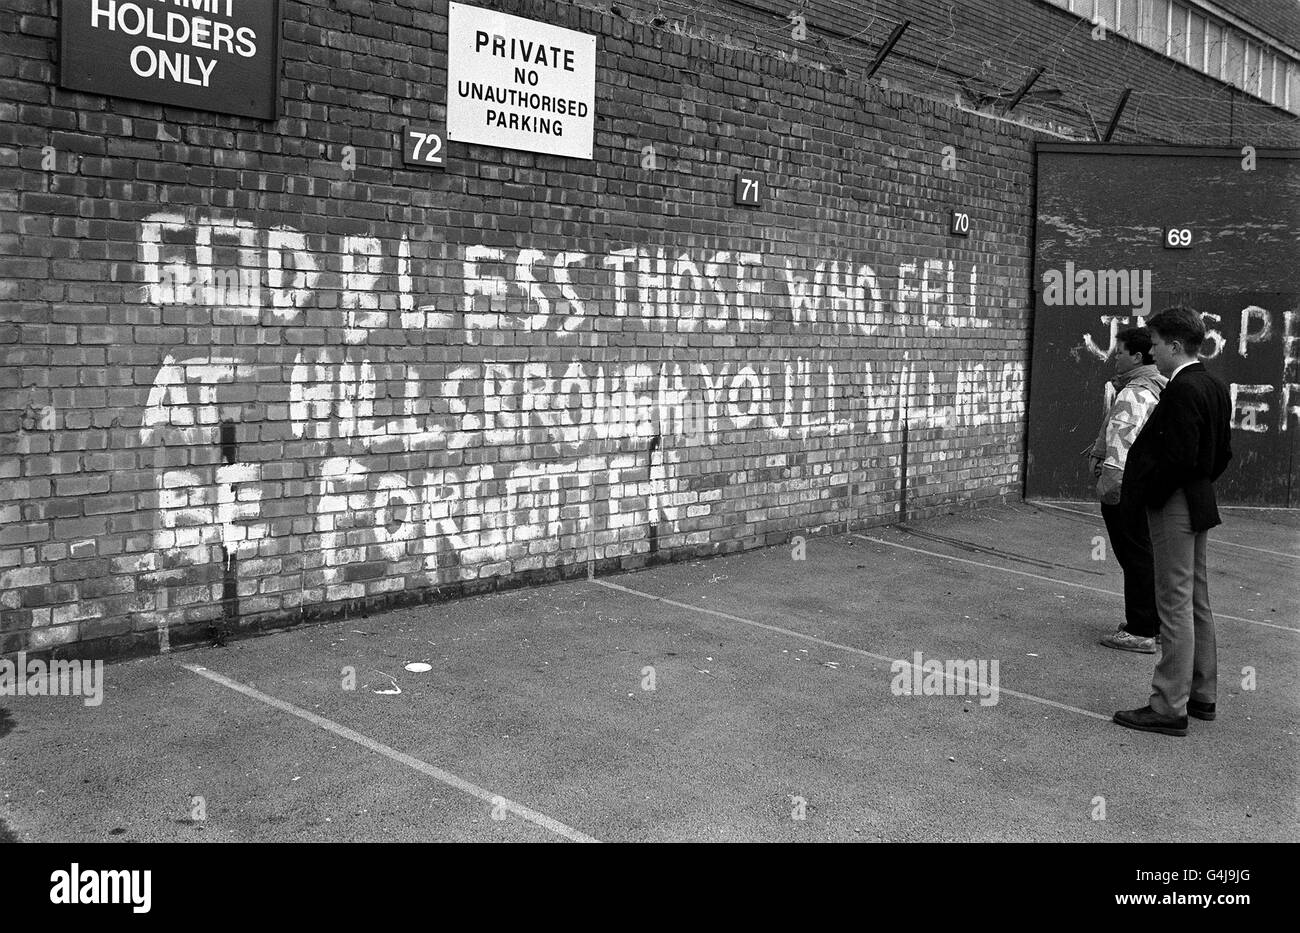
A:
<point x="519" y="84"/>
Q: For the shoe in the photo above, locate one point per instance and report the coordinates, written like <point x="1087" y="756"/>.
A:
<point x="1127" y="642"/>
<point x="1201" y="710"/>
<point x="1148" y="720"/>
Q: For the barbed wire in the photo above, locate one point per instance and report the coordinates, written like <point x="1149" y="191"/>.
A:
<point x="999" y="66"/>
<point x="987" y="55"/>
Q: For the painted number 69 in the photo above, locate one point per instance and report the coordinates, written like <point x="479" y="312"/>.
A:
<point x="1178" y="237"/>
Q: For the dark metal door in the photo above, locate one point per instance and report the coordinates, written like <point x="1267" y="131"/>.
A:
<point x="1104" y="214"/>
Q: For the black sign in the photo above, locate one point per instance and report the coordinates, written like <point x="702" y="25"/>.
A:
<point x="749" y="189"/>
<point x="1178" y="238"/>
<point x="959" y="224"/>
<point x="216" y="55"/>
<point x="425" y="146"/>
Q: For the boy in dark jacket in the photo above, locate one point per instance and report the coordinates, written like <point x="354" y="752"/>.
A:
<point x="1171" y="470"/>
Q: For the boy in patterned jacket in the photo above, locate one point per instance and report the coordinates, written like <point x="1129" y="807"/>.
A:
<point x="1138" y="385"/>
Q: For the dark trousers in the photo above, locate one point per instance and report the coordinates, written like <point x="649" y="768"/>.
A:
<point x="1130" y="539"/>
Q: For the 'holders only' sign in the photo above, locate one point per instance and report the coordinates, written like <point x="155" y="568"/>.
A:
<point x="519" y="84"/>
<point x="217" y="55"/>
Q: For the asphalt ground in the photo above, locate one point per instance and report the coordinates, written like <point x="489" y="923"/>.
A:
<point x="772" y="715"/>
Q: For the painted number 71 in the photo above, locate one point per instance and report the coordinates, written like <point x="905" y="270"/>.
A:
<point x="748" y="190"/>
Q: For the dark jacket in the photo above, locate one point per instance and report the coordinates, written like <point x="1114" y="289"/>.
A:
<point x="1184" y="445"/>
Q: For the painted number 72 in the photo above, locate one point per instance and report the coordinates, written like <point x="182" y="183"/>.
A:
<point x="421" y="139"/>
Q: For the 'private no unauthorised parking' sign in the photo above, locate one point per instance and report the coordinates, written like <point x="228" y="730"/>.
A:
<point x="519" y="84"/>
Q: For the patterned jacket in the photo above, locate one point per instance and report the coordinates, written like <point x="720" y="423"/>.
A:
<point x="1136" y="393"/>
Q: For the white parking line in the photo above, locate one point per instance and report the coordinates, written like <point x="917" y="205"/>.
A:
<point x="1037" y="576"/>
<point x="832" y="644"/>
<point x="1234" y="508"/>
<point x="1217" y="540"/>
<point x="446" y="777"/>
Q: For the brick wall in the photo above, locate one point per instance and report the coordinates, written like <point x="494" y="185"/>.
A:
<point x="255" y="373"/>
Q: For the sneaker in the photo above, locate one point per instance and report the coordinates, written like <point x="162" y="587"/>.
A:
<point x="1124" y="641"/>
<point x="1148" y="720"/>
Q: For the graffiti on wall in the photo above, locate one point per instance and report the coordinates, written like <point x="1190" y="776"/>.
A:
<point x="1270" y="403"/>
<point x="424" y="438"/>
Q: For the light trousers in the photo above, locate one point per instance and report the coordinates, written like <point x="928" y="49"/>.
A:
<point x="1188" y="665"/>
